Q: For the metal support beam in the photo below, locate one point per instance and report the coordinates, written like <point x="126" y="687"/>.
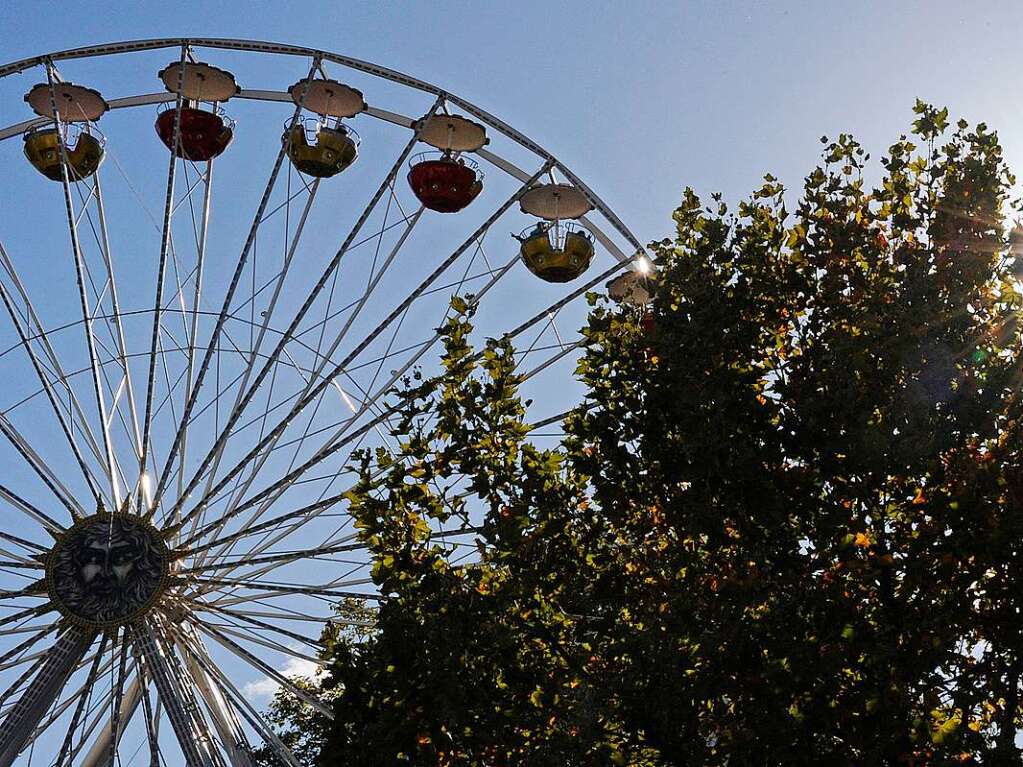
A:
<point x="229" y="729"/>
<point x="101" y="747"/>
<point x="44" y="688"/>
<point x="192" y="748"/>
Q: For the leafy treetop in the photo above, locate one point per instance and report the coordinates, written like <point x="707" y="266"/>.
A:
<point x="784" y="526"/>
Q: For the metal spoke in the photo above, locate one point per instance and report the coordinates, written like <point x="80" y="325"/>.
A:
<point x="208" y="606"/>
<point x="122" y="346"/>
<point x="39" y="467"/>
<point x="40" y="335"/>
<point x="48" y="389"/>
<point x="226" y="306"/>
<point x="281" y="558"/>
<point x="103" y="743"/>
<point x="25" y="544"/>
<point x="58" y="710"/>
<point x="79" y="262"/>
<point x="275" y="561"/>
<point x="152" y="735"/>
<point x="271" y="672"/>
<point x="268" y="314"/>
<point x="292" y="590"/>
<point x="99" y="711"/>
<point x="161" y="271"/>
<point x="232" y="737"/>
<point x="33" y="512"/>
<point x="193" y="330"/>
<point x="245" y="708"/>
<point x="324" y="358"/>
<point x="117" y="699"/>
<point x="25" y="614"/>
<point x="248" y="635"/>
<point x="27" y="643"/>
<point x="340" y="367"/>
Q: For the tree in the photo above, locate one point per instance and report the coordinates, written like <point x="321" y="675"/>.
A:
<point x="785" y="524"/>
<point x="300" y="727"/>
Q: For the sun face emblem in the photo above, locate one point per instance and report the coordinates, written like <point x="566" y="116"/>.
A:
<point x="107" y="570"/>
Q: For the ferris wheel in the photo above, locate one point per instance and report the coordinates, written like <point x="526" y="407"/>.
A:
<point x="217" y="260"/>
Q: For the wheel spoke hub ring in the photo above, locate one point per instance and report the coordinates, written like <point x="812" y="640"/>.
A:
<point x="107" y="570"/>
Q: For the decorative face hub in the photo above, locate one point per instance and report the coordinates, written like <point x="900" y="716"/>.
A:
<point x="107" y="570"/>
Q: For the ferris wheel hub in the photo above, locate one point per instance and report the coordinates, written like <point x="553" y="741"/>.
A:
<point x="108" y="570"/>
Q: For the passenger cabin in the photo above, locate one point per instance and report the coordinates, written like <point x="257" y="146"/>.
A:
<point x="445" y="181"/>
<point x="322" y="146"/>
<point x="553" y="250"/>
<point x="72" y="142"/>
<point x="203" y="133"/>
<point x="630" y="288"/>
<point x="556" y="252"/>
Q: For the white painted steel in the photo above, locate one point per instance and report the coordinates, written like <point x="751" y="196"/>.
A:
<point x="223" y="502"/>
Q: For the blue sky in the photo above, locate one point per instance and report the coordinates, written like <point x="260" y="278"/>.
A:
<point x="641" y="98"/>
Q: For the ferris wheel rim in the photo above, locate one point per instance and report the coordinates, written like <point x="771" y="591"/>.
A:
<point x="392" y="75"/>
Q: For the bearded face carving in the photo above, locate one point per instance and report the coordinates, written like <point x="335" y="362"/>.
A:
<point x="106" y="565"/>
<point x="107" y="569"/>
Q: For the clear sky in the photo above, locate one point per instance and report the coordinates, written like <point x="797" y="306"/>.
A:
<point x="640" y="98"/>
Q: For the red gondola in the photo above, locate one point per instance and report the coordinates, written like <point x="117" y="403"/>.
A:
<point x="443" y="183"/>
<point x="649" y="323"/>
<point x="204" y="135"/>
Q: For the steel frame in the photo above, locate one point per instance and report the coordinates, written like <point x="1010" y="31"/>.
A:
<point x="226" y="600"/>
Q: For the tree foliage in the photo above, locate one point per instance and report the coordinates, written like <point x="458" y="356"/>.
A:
<point x="784" y="526"/>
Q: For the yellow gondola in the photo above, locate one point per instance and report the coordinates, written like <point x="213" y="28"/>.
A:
<point x="331" y="150"/>
<point x="43" y="150"/>
<point x="322" y="146"/>
<point x="75" y="109"/>
<point x="559" y="258"/>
